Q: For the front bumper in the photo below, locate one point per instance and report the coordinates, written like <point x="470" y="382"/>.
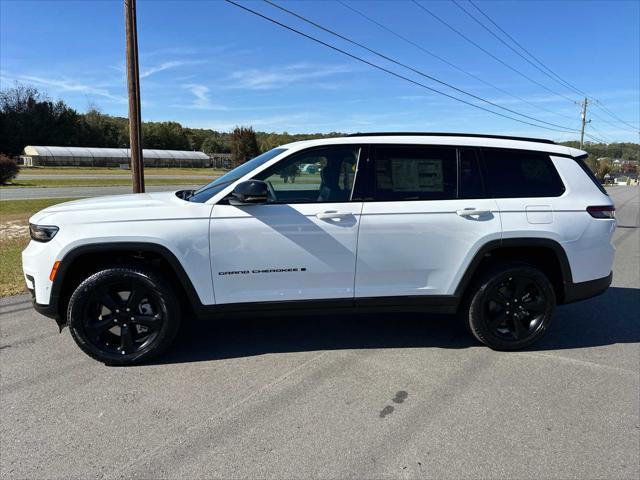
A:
<point x="37" y="260"/>
<point x="574" y="292"/>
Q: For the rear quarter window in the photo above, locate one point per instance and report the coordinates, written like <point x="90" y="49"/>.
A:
<point x="585" y="168"/>
<point x="516" y="174"/>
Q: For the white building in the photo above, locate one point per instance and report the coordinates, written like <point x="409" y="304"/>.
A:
<point x="109" y="157"/>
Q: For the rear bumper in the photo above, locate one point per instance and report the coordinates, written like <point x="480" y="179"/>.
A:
<point x="574" y="292"/>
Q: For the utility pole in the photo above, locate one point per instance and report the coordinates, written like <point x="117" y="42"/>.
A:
<point x="584" y="121"/>
<point x="133" y="84"/>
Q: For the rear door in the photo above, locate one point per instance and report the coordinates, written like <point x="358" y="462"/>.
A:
<point x="301" y="245"/>
<point x="426" y="218"/>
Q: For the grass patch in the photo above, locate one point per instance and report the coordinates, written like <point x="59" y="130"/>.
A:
<point x="11" y="210"/>
<point x="11" y="280"/>
<point x="213" y="172"/>
<point x="103" y="182"/>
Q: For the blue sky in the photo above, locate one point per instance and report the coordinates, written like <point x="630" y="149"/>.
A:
<point x="209" y="64"/>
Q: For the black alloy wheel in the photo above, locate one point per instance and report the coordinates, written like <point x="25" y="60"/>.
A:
<point x="515" y="308"/>
<point x="510" y="307"/>
<point x="123" y="315"/>
<point x="123" y="318"/>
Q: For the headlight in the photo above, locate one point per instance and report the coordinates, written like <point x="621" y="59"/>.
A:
<point x="42" y="233"/>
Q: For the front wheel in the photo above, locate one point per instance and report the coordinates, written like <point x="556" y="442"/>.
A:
<point x="510" y="307"/>
<point x="123" y="315"/>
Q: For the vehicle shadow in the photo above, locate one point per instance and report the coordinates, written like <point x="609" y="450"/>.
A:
<point x="608" y="319"/>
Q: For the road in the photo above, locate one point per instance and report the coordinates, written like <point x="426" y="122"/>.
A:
<point x="119" y="176"/>
<point x="388" y="396"/>
<point x="25" y="193"/>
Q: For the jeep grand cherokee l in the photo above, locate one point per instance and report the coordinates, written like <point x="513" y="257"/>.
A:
<point x="496" y="229"/>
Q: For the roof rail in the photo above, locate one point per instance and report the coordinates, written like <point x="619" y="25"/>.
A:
<point x="449" y="134"/>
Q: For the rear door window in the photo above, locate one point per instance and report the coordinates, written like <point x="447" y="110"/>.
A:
<point x="517" y="174"/>
<point x="409" y="172"/>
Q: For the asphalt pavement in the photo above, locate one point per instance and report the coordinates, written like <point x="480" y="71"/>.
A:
<point x="375" y="396"/>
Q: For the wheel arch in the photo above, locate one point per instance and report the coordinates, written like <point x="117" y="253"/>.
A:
<point x="86" y="259"/>
<point x="546" y="254"/>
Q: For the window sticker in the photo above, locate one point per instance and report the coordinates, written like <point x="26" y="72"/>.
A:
<point x="417" y="175"/>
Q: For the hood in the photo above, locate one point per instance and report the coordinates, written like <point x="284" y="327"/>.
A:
<point x="110" y="203"/>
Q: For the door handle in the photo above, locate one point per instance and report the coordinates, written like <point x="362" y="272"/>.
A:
<point x="468" y="212"/>
<point x="332" y="215"/>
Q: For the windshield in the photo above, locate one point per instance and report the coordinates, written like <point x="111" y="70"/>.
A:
<point x="209" y="190"/>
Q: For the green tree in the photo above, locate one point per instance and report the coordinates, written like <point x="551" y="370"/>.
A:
<point x="213" y="144"/>
<point x="604" y="167"/>
<point x="29" y="117"/>
<point x="8" y="169"/>
<point x="244" y="145"/>
<point x="95" y="129"/>
<point x="164" y="135"/>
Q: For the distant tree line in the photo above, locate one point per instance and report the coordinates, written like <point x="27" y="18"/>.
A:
<point x="29" y="117"/>
<point x="601" y="158"/>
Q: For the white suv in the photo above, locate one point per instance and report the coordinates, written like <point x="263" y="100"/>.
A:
<point x="499" y="229"/>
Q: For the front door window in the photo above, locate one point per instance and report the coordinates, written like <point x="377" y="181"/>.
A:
<point x="317" y="175"/>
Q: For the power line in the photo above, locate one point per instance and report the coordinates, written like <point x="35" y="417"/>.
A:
<point x="507" y="45"/>
<point x="602" y="136"/>
<point x="559" y="79"/>
<point x="598" y="103"/>
<point x="410" y="42"/>
<point x="383" y="69"/>
<point x="609" y="122"/>
<point x="385" y="57"/>
<point x="489" y="53"/>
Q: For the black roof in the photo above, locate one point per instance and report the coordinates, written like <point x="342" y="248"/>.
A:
<point x="449" y="134"/>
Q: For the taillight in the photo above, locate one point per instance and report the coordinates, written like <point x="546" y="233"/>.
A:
<point x="602" y="211"/>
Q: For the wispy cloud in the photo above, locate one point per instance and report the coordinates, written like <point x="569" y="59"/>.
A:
<point x="202" y="100"/>
<point x="167" y="66"/>
<point x="62" y="85"/>
<point x="278" y="77"/>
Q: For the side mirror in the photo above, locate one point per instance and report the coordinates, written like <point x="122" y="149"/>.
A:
<point x="251" y="192"/>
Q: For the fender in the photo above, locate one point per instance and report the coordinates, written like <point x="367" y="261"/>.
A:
<point x="52" y="309"/>
<point x="524" y="242"/>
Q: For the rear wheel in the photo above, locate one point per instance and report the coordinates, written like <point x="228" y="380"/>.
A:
<point x="510" y="307"/>
<point x="124" y="315"/>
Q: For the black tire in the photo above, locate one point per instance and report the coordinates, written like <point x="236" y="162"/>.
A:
<point x="124" y="315"/>
<point x="510" y="307"/>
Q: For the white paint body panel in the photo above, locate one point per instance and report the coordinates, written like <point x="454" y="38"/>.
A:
<point x="320" y="252"/>
<point x="378" y="249"/>
<point x="586" y="240"/>
<point x="420" y="247"/>
<point x="158" y="218"/>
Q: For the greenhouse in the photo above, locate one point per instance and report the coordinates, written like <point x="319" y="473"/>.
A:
<point x="34" y="156"/>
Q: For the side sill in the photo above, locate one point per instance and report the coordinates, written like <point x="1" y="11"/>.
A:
<point x="574" y="292"/>
<point x="436" y="304"/>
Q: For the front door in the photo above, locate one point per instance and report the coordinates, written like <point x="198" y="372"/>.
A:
<point x="301" y="244"/>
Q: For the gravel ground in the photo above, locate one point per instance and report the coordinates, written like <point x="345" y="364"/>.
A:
<point x="336" y="397"/>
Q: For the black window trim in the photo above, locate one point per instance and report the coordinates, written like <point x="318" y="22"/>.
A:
<point x="364" y="187"/>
